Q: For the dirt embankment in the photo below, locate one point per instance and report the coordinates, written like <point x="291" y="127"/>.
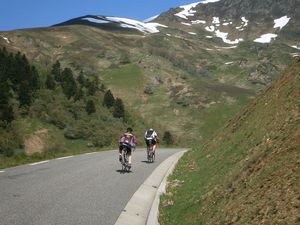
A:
<point x="36" y="143"/>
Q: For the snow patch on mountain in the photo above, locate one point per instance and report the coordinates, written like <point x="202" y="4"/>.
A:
<point x="224" y="35"/>
<point x="188" y="9"/>
<point x="198" y="22"/>
<point x="296" y="47"/>
<point x="209" y="1"/>
<point x="187" y="24"/>
<point x="6" y="39"/>
<point x="150" y="19"/>
<point x="210" y="28"/>
<point x="93" y="20"/>
<point x="243" y="25"/>
<point x="266" y="38"/>
<point x="231" y="47"/>
<point x="216" y="21"/>
<point x="281" y="22"/>
<point x="126" y="23"/>
<point x="294" y="55"/>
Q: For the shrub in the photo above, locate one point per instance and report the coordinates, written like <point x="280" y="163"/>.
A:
<point x="148" y="90"/>
<point x="168" y="138"/>
<point x="90" y="107"/>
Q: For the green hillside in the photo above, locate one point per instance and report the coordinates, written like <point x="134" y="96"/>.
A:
<point x="51" y="113"/>
<point x="200" y="83"/>
<point x="249" y="172"/>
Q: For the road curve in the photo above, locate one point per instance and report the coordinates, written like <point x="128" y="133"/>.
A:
<point x="84" y="189"/>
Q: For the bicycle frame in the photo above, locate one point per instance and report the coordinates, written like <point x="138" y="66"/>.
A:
<point x="150" y="153"/>
<point x="124" y="163"/>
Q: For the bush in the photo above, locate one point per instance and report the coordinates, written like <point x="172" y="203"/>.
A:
<point x="9" y="141"/>
<point x="168" y="138"/>
<point x="90" y="107"/>
<point x="148" y="90"/>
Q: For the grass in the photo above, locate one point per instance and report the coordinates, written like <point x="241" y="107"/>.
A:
<point x="126" y="80"/>
<point x="245" y="168"/>
<point x="71" y="147"/>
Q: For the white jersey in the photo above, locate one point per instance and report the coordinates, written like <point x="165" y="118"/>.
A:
<point x="150" y="136"/>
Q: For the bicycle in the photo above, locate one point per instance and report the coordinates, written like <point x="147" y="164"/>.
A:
<point x="125" y="165"/>
<point x="150" y="152"/>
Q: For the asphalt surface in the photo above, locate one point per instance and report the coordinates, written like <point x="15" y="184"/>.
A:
<point x="84" y="189"/>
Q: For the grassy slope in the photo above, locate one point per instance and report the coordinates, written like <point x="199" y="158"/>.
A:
<point x="249" y="172"/>
<point x="197" y="91"/>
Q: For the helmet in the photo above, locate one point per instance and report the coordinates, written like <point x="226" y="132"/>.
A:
<point x="151" y="129"/>
<point x="129" y="129"/>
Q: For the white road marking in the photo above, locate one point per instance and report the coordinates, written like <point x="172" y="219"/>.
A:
<point x="67" y="157"/>
<point x="2" y="171"/>
<point x="33" y="164"/>
<point x="90" y="153"/>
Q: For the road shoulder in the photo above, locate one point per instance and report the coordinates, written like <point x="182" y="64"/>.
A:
<point x="142" y="208"/>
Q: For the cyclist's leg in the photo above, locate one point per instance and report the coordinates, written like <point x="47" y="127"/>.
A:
<point x="147" y="147"/>
<point x="154" y="146"/>
<point x="129" y="156"/>
<point x="120" y="153"/>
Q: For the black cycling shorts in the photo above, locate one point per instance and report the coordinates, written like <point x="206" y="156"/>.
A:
<point x="121" y="146"/>
<point x="151" y="141"/>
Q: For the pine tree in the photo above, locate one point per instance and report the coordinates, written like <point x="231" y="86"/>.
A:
<point x="33" y="78"/>
<point x="79" y="94"/>
<point x="91" y="87"/>
<point x="81" y="79"/>
<point x="90" y="107"/>
<point x="108" y="100"/>
<point x="50" y="82"/>
<point x="68" y="83"/>
<point x="119" y="109"/>
<point x="168" y="138"/>
<point x="6" y="111"/>
<point x="56" y="71"/>
<point x="25" y="96"/>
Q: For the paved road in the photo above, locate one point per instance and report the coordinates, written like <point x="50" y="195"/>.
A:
<point x="84" y="189"/>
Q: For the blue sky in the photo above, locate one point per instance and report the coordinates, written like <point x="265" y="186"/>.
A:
<point x="18" y="14"/>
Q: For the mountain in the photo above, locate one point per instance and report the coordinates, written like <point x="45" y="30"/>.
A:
<point x="239" y="20"/>
<point x="186" y="60"/>
<point x="248" y="172"/>
<point x="113" y="23"/>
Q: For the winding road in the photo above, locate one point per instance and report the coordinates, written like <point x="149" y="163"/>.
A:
<point x="84" y="189"/>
